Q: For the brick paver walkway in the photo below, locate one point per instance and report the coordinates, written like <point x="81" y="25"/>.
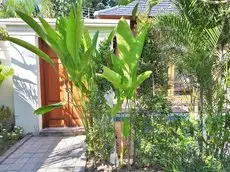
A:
<point x="48" y="154"/>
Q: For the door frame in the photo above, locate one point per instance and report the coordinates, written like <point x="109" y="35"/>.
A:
<point x="42" y="83"/>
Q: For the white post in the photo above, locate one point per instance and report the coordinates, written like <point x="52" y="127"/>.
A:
<point x="6" y="89"/>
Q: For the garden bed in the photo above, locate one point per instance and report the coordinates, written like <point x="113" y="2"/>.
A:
<point x="92" y="166"/>
<point x="9" y="138"/>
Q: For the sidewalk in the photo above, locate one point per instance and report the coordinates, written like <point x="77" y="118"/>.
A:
<point x="48" y="154"/>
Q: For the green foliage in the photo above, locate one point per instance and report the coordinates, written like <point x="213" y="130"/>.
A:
<point x="77" y="52"/>
<point x="9" y="8"/>
<point x="9" y="137"/>
<point x="156" y="59"/>
<point x="100" y="138"/>
<point x="5" y="72"/>
<point x="124" y="2"/>
<point x="123" y="76"/>
<point x="99" y="4"/>
<point x="104" y="59"/>
<point x="123" y="73"/>
<point x="198" y="58"/>
<point x="197" y="40"/>
<point x="5" y="113"/>
<point x="73" y="45"/>
<point x="61" y="8"/>
<point x="8" y="133"/>
<point x="6" y="118"/>
<point x="46" y="109"/>
<point x="169" y="141"/>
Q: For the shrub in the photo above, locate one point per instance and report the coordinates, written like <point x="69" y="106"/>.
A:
<point x="9" y="137"/>
<point x="100" y="138"/>
<point x="171" y="141"/>
<point x="6" y="118"/>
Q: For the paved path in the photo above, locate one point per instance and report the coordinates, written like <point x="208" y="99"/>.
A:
<point x="48" y="154"/>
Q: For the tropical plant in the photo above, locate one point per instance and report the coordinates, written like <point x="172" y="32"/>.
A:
<point x="9" y="8"/>
<point x="100" y="137"/>
<point x="61" y="8"/>
<point x="5" y="72"/>
<point x="123" y="74"/>
<point x="198" y="39"/>
<point x="77" y="52"/>
<point x="156" y="58"/>
<point x="99" y="4"/>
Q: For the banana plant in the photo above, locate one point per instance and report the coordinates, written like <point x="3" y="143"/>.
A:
<point x="74" y="47"/>
<point x="123" y="74"/>
<point x="5" y="72"/>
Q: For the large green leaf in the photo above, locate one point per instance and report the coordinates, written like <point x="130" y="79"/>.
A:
<point x="87" y="40"/>
<point x="134" y="12"/>
<point x="140" y="40"/>
<point x="32" y="23"/>
<point x="126" y="128"/>
<point x="117" y="64"/>
<point x="124" y="2"/>
<point x="213" y="36"/>
<point x="52" y="38"/>
<point x="5" y="72"/>
<point x="49" y="30"/>
<point x="88" y="55"/>
<point x="141" y="78"/>
<point x="117" y="107"/>
<point x="31" y="48"/>
<point x="74" y="31"/>
<point x="112" y="77"/>
<point x="126" y="43"/>
<point x="46" y="109"/>
<point x="71" y="33"/>
<point x="94" y="41"/>
<point x="111" y="35"/>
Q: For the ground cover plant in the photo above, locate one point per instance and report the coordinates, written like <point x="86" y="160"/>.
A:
<point x="9" y="133"/>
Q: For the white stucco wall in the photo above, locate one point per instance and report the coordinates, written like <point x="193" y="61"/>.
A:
<point x="24" y="96"/>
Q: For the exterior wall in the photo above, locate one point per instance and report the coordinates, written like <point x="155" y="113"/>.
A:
<point x="22" y="93"/>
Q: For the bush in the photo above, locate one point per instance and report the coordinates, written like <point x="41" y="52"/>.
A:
<point x="172" y="141"/>
<point x="100" y="139"/>
<point x="6" y="118"/>
<point x="9" y="134"/>
<point x="9" y="137"/>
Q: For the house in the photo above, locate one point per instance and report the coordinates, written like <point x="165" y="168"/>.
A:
<point x="163" y="7"/>
<point x="178" y="91"/>
<point x="35" y="83"/>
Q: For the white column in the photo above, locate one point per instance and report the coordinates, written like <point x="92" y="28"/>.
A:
<point x="26" y="93"/>
<point x="6" y="89"/>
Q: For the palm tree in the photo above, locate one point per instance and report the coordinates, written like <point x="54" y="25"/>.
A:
<point x="195" y="31"/>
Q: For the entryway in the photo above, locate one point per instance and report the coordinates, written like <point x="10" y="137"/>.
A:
<point x="56" y="87"/>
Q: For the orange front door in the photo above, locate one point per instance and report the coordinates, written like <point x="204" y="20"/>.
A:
<point x="55" y="87"/>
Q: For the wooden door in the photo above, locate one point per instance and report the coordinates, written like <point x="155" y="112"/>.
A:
<point x="55" y="87"/>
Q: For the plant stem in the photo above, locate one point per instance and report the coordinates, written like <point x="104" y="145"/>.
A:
<point x="130" y="136"/>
